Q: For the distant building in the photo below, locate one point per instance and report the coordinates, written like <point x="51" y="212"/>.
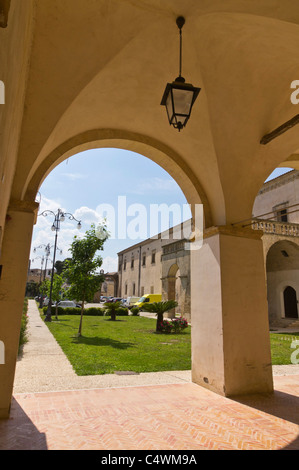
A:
<point x="38" y="275"/>
<point x="162" y="265"/>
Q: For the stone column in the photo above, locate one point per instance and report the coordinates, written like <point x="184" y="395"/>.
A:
<point x="230" y="333"/>
<point x="14" y="261"/>
<point x="164" y="288"/>
<point x="185" y="297"/>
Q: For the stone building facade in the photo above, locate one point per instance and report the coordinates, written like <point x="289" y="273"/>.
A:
<point x="162" y="265"/>
<point x="159" y="265"/>
<point x="276" y="210"/>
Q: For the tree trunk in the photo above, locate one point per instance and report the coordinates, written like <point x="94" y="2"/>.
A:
<point x="113" y="315"/>
<point x="81" y="319"/>
<point x="159" y="320"/>
<point x="56" y="311"/>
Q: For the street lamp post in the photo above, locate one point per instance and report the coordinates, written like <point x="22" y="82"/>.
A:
<point x="47" y="251"/>
<point x="58" y="218"/>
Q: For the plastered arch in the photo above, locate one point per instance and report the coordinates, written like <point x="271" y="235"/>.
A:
<point x="153" y="149"/>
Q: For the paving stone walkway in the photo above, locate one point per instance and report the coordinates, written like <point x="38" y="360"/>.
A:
<point x="55" y="411"/>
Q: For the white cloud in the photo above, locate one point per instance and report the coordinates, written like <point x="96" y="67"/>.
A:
<point x="43" y="235"/>
<point x="154" y="184"/>
<point x="88" y="215"/>
<point x="74" y="176"/>
<point x="110" y="264"/>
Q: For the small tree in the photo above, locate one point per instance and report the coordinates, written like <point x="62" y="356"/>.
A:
<point x="81" y="269"/>
<point x="56" y="291"/>
<point x="159" y="308"/>
<point x="111" y="308"/>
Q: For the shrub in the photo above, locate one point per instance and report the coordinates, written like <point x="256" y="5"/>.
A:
<point x="122" y="311"/>
<point x="24" y="322"/>
<point x="175" y="325"/>
<point x="135" y="311"/>
<point x="92" y="311"/>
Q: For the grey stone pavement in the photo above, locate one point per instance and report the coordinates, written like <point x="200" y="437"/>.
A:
<point x="43" y="367"/>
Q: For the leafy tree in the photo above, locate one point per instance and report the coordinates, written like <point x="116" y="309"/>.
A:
<point x="82" y="269"/>
<point x="160" y="308"/>
<point x="44" y="289"/>
<point x="61" y="265"/>
<point x="32" y="289"/>
<point x="111" y="308"/>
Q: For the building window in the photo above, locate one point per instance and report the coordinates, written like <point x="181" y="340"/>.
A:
<point x="126" y="289"/>
<point x="281" y="212"/>
<point x="133" y="288"/>
<point x="153" y="257"/>
<point x="152" y="289"/>
<point x="142" y="291"/>
<point x="282" y="216"/>
<point x="132" y="263"/>
<point x="125" y="264"/>
<point x="143" y="260"/>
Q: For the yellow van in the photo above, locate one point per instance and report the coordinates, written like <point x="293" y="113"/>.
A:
<point x="149" y="298"/>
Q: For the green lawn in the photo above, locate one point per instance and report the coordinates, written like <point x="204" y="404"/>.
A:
<point x="281" y="347"/>
<point x="131" y="344"/>
<point x="128" y="344"/>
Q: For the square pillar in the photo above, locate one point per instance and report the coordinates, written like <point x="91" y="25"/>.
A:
<point x="230" y="331"/>
<point x="14" y="260"/>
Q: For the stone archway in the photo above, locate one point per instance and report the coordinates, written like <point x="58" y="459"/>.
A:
<point x="176" y="282"/>
<point x="60" y="94"/>
<point x="282" y="266"/>
<point x="290" y="302"/>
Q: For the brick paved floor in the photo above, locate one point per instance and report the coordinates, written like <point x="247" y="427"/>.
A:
<point x="156" y="417"/>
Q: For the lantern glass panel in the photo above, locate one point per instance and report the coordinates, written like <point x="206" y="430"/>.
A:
<point x="182" y="101"/>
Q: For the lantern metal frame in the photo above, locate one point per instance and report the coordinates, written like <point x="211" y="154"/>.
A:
<point x="175" y="118"/>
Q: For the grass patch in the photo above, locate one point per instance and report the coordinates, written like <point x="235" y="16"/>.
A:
<point x="131" y="344"/>
<point x="128" y="344"/>
<point x="24" y="322"/>
<point x="281" y="347"/>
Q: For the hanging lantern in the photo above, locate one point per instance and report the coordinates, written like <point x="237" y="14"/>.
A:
<point x="179" y="97"/>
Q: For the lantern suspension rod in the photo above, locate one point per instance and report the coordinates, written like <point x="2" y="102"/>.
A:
<point x="180" y="23"/>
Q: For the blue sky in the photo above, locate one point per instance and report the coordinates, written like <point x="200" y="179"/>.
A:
<point x="86" y="181"/>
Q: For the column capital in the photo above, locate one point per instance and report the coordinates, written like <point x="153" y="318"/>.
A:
<point x="16" y="205"/>
<point x="233" y="231"/>
<point x="30" y="207"/>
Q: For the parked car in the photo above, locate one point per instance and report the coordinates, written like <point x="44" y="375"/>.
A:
<point x="130" y="301"/>
<point x="46" y="302"/>
<point x="67" y="304"/>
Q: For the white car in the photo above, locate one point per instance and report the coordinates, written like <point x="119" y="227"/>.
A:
<point x="67" y="304"/>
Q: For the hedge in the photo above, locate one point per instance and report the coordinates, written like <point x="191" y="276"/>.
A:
<point x="75" y="311"/>
<point x="24" y="323"/>
<point x="92" y="311"/>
